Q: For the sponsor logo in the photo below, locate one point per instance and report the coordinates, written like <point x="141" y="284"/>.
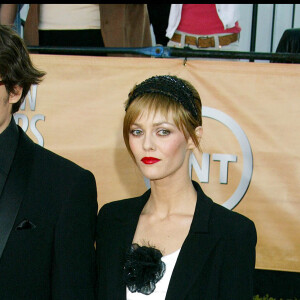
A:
<point x="23" y="120"/>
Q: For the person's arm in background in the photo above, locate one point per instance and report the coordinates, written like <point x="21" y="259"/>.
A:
<point x="8" y="14"/>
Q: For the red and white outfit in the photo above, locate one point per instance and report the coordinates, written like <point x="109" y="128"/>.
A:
<point x="204" y="21"/>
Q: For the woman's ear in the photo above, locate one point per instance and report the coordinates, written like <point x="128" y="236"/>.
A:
<point x="199" y="132"/>
<point x="15" y="96"/>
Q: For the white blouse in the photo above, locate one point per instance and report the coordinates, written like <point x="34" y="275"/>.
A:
<point x="162" y="285"/>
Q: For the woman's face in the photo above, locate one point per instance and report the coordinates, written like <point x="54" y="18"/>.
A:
<point x="159" y="147"/>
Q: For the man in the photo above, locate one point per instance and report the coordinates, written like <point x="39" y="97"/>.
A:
<point x="120" y="25"/>
<point x="48" y="205"/>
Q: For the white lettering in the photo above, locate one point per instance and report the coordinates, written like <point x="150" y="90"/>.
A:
<point x="31" y="98"/>
<point x="203" y="172"/>
<point x="34" y="130"/>
<point x="224" y="159"/>
<point x="24" y="118"/>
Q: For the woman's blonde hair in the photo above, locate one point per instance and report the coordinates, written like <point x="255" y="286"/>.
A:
<point x="156" y="99"/>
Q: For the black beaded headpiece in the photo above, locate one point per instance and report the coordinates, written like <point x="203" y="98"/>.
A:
<point x="167" y="85"/>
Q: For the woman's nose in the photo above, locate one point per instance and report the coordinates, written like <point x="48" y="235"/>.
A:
<point x="148" y="143"/>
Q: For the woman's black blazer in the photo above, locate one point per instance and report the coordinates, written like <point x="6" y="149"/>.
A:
<point x="216" y="261"/>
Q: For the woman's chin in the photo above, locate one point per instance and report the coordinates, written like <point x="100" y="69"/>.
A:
<point x="154" y="177"/>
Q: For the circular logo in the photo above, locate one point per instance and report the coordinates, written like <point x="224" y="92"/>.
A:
<point x="226" y="120"/>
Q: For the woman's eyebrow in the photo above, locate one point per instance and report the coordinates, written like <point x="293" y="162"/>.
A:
<point x="163" y="122"/>
<point x="155" y="124"/>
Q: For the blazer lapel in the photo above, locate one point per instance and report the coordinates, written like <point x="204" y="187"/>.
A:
<point x="2" y="181"/>
<point x="9" y="139"/>
<point x="126" y="231"/>
<point x="195" y="249"/>
<point x="15" y="187"/>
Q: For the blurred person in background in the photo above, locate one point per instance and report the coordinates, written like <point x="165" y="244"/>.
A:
<point x="204" y="26"/>
<point x="10" y="15"/>
<point x="159" y="16"/>
<point x="88" y="25"/>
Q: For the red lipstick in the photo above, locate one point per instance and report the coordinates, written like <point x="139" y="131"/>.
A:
<point x="150" y="160"/>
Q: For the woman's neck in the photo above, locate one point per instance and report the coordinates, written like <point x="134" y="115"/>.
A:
<point x="171" y="196"/>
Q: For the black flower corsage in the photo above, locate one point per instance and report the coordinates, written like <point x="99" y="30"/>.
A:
<point x="143" y="269"/>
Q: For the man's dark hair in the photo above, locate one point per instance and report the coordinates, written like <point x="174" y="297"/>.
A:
<point x="16" y="68"/>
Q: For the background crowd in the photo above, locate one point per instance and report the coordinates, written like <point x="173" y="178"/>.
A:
<point x="198" y="26"/>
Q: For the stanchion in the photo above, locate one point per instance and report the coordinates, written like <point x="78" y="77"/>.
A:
<point x="168" y="52"/>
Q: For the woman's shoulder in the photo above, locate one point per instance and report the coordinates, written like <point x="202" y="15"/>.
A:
<point x="119" y="209"/>
<point x="110" y="214"/>
<point x="222" y="220"/>
<point x="231" y="223"/>
<point x="118" y="206"/>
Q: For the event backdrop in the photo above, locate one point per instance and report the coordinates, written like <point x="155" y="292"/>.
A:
<point x="250" y="158"/>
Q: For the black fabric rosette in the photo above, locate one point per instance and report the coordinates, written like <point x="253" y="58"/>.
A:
<point x="143" y="268"/>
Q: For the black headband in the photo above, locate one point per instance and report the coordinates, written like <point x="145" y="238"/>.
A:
<point x="170" y="86"/>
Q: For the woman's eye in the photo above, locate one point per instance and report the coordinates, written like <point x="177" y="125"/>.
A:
<point x="136" y="132"/>
<point x="163" y="132"/>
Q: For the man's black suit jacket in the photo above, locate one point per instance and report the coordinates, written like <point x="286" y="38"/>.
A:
<point x="48" y="210"/>
<point x="216" y="261"/>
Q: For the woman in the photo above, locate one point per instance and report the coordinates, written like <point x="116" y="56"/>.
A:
<point x="204" y="26"/>
<point x="173" y="242"/>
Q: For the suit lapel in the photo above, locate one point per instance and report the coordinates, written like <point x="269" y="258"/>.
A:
<point x="195" y="249"/>
<point x="126" y="231"/>
<point x="15" y="187"/>
<point x="191" y="260"/>
<point x="8" y="145"/>
<point x="2" y="181"/>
